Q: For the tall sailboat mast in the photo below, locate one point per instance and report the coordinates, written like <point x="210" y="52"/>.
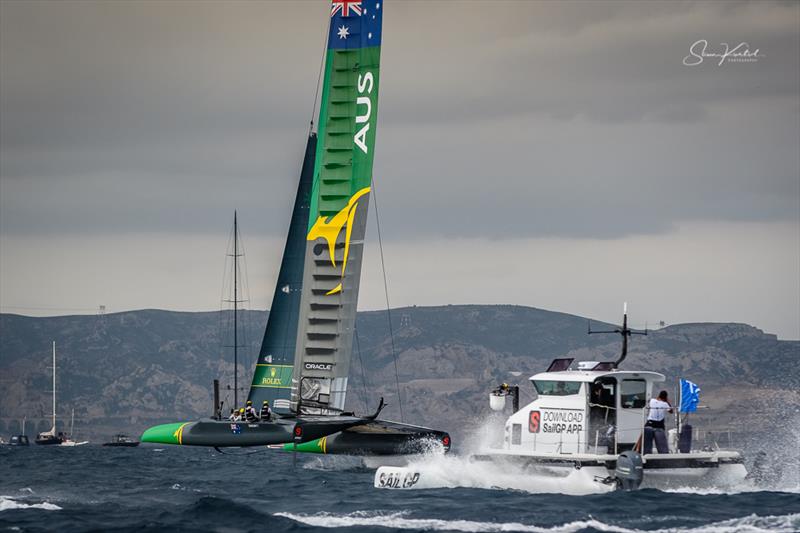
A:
<point x="235" y="311"/>
<point x="54" y="388"/>
<point x="237" y="253"/>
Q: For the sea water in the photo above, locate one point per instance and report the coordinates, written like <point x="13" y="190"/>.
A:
<point x="152" y="488"/>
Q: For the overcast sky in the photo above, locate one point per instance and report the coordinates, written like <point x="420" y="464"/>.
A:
<point x="551" y="154"/>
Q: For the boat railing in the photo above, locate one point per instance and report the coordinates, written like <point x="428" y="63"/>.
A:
<point x="706" y="439"/>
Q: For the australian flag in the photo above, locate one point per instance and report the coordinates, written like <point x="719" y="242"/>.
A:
<point x="236" y="429"/>
<point x="355" y="23"/>
<point x="690" y="396"/>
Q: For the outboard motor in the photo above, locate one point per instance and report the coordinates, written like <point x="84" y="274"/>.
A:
<point x="629" y="471"/>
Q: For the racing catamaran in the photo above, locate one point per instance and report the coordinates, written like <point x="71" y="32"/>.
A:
<point x="304" y="361"/>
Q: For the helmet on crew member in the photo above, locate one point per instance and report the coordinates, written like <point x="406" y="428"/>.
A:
<point x="249" y="402"/>
<point x="265" y="402"/>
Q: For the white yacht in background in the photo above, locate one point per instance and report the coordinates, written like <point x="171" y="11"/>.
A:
<point x="51" y="437"/>
<point x="54" y="437"/>
<point x="70" y="439"/>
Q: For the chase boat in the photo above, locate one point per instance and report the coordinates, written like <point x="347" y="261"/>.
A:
<point x="591" y="416"/>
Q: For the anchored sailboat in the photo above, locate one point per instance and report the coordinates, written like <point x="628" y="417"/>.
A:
<point x="51" y="437"/>
<point x="304" y="361"/>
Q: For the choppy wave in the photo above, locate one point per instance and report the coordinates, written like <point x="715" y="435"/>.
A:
<point x="749" y="524"/>
<point x="715" y="491"/>
<point x="8" y="503"/>
<point x="335" y="463"/>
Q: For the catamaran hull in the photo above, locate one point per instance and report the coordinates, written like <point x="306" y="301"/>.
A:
<point x="218" y="433"/>
<point x="378" y="438"/>
<point x="349" y="435"/>
<point x="48" y="441"/>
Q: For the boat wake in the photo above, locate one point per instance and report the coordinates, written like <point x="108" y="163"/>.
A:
<point x="460" y="472"/>
<point x="336" y="463"/>
<point x="7" y="503"/>
<point x="777" y="473"/>
<point x="401" y="520"/>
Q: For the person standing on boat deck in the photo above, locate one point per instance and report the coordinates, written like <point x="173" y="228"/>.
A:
<point x="250" y="412"/>
<point x="232" y="416"/>
<point x="266" y="413"/>
<point x="658" y="409"/>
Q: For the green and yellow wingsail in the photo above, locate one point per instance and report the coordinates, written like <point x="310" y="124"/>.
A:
<point x="305" y="354"/>
<point x="338" y="207"/>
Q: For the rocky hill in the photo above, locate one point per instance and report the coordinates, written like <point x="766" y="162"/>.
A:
<point x="125" y="371"/>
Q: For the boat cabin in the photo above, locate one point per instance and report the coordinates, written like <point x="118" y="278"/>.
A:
<point x="19" y="440"/>
<point x="594" y="408"/>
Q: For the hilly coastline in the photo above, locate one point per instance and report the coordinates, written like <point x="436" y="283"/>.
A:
<point x="126" y="371"/>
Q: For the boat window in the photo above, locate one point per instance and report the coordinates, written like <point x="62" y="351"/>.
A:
<point x="557" y="388"/>
<point x="560" y="364"/>
<point x="633" y="393"/>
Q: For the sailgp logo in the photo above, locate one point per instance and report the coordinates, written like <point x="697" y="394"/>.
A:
<point x="534" y="422"/>
<point x="331" y="228"/>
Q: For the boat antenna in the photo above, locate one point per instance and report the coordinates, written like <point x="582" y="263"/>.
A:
<point x="625" y="331"/>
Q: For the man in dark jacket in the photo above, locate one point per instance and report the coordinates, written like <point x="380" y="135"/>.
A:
<point x="266" y="412"/>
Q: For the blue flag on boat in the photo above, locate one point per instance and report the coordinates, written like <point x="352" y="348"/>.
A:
<point x="690" y="396"/>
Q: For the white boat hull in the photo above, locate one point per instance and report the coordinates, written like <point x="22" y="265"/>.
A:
<point x="70" y="443"/>
<point x="708" y="470"/>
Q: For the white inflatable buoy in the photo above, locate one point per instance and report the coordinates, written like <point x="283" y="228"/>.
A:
<point x="497" y="402"/>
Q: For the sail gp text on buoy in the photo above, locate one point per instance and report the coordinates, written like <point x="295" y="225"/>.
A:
<point x="555" y="421"/>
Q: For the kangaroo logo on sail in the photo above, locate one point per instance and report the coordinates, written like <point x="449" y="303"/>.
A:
<point x="331" y="228"/>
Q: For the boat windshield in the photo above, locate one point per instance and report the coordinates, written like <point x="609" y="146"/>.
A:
<point x="557" y="388"/>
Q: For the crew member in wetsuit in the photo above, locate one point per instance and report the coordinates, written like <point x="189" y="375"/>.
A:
<point x="232" y="416"/>
<point x="658" y="409"/>
<point x="240" y="414"/>
<point x="250" y="412"/>
<point x="266" y="412"/>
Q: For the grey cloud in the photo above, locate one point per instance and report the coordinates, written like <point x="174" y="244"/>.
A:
<point x="574" y="119"/>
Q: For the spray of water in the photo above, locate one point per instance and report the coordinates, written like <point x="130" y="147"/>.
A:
<point x="779" y="469"/>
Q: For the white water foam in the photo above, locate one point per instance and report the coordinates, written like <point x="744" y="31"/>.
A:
<point x="438" y="471"/>
<point x="8" y="503"/>
<point x="749" y="524"/>
<point x="459" y="471"/>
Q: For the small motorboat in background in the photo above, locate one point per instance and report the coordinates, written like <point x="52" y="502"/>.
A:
<point x="122" y="441"/>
